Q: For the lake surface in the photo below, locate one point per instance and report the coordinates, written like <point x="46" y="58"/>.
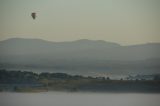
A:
<point x="78" y="99"/>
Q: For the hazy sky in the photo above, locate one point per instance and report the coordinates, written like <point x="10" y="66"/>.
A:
<point x="121" y="21"/>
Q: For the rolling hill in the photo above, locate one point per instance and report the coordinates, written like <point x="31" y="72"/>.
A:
<point x="80" y="56"/>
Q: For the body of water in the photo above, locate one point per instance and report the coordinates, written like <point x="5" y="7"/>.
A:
<point x="78" y="99"/>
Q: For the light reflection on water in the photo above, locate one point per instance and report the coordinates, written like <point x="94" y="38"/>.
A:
<point x="78" y="99"/>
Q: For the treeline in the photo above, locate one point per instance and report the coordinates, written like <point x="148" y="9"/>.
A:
<point x="18" y="77"/>
<point x="29" y="81"/>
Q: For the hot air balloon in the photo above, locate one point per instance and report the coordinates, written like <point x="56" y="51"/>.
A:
<point x="33" y="15"/>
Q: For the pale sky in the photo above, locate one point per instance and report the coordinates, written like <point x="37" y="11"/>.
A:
<point x="123" y="21"/>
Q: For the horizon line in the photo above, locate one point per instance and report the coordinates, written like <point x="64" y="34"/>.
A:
<point x="79" y="40"/>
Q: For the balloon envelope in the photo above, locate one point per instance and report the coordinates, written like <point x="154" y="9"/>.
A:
<point x="33" y="15"/>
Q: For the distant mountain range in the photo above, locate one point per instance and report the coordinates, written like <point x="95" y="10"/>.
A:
<point x="80" y="56"/>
